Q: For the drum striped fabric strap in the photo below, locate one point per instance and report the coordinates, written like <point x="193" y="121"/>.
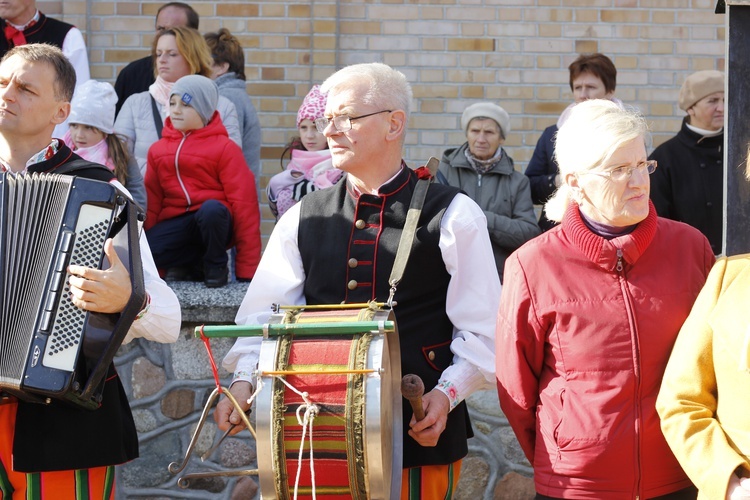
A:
<point x="338" y="454"/>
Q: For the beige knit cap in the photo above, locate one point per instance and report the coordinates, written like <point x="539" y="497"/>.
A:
<point x="699" y="85"/>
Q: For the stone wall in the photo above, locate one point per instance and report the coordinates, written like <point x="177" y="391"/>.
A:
<point x="168" y="385"/>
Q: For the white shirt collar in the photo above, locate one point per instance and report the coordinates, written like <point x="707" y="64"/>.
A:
<point x="24" y="26"/>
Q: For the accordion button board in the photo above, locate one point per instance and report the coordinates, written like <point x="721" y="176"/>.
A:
<point x="89" y="236"/>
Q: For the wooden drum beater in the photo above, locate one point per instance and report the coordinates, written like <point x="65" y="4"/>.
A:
<point x="412" y="388"/>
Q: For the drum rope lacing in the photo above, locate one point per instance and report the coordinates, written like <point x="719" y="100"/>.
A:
<point x="311" y="411"/>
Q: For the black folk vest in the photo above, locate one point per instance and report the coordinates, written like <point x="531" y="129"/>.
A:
<point x="348" y="244"/>
<point x="46" y="30"/>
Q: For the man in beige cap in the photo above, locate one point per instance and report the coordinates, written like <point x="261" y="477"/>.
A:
<point x="688" y="185"/>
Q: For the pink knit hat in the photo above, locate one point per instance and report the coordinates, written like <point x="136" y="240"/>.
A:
<point x="313" y="106"/>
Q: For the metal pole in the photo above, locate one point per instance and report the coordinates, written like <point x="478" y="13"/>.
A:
<point x="737" y="134"/>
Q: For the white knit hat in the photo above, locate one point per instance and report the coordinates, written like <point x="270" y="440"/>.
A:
<point x="94" y="104"/>
<point x="487" y="110"/>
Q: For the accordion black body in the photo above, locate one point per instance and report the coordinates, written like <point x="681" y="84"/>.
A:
<point x="49" y="348"/>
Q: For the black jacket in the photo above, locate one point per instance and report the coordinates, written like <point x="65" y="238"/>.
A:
<point x="541" y="171"/>
<point x="687" y="185"/>
<point x="134" y="78"/>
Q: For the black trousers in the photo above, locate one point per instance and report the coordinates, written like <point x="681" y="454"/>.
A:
<point x="196" y="239"/>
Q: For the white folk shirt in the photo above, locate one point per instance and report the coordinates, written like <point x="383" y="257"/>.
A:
<point x="472" y="300"/>
<point x="74" y="48"/>
<point x="161" y="317"/>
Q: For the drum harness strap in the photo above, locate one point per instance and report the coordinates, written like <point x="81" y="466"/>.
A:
<point x="305" y="421"/>
<point x="410" y="227"/>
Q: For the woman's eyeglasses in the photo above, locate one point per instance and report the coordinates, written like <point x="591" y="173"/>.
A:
<point x="624" y="173"/>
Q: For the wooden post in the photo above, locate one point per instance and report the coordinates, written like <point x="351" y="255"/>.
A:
<point x="737" y="133"/>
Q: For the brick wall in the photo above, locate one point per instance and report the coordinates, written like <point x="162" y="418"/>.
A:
<point x="514" y="52"/>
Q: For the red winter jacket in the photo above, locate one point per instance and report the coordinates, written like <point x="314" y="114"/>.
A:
<point x="584" y="331"/>
<point x="184" y="170"/>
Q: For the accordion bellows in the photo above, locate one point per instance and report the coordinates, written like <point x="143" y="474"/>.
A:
<point x="49" y="348"/>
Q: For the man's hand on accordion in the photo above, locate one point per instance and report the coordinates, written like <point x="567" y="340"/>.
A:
<point x="106" y="291"/>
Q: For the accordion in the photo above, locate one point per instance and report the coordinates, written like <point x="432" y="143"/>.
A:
<point x="49" y="348"/>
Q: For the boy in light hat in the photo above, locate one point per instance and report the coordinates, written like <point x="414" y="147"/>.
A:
<point x="199" y="202"/>
<point x="688" y="185"/>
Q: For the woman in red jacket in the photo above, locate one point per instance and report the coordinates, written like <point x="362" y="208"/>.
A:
<point x="588" y="316"/>
<point x="197" y="182"/>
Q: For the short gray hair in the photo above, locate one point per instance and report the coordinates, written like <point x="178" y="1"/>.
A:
<point x="592" y="133"/>
<point x="388" y="88"/>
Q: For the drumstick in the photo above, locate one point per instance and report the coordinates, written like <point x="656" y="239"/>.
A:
<point x="412" y="388"/>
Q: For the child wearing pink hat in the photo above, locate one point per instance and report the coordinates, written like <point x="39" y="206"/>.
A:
<point x="310" y="167"/>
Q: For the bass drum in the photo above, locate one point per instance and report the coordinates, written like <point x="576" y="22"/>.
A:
<point x="353" y="379"/>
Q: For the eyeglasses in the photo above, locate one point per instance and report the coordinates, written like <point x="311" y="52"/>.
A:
<point x="342" y="123"/>
<point x="620" y="174"/>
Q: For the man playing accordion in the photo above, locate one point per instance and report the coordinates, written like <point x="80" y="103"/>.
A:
<point x="56" y="451"/>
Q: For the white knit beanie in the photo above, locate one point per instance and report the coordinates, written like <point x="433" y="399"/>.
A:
<point x="93" y="104"/>
<point x="487" y="110"/>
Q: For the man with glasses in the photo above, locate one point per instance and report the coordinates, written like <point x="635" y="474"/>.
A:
<point x="338" y="246"/>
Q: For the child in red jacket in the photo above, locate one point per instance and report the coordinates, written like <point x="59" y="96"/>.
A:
<point x="196" y="183"/>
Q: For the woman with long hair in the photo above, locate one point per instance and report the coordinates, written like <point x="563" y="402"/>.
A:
<point x="177" y="52"/>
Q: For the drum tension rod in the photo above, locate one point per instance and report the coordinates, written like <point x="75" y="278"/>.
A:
<point x="364" y="371"/>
